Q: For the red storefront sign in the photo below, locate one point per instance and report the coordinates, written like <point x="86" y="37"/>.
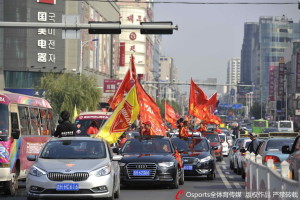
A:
<point x="122" y="54"/>
<point x="272" y="83"/>
<point x="47" y="1"/>
<point x="281" y="79"/>
<point x="111" y="85"/>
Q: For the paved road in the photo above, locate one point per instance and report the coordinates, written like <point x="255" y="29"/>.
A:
<point x="227" y="185"/>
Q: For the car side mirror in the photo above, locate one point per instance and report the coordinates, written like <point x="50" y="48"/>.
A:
<point x="116" y="150"/>
<point x="235" y="147"/>
<point x="117" y="157"/>
<point x="214" y="148"/>
<point x="286" y="150"/>
<point x="243" y="150"/>
<point x="15" y="133"/>
<point x="31" y="157"/>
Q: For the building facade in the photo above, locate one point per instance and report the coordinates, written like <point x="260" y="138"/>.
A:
<point x="233" y="77"/>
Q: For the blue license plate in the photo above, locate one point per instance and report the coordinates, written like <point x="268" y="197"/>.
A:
<point x="188" y="167"/>
<point x="67" y="186"/>
<point x="141" y="172"/>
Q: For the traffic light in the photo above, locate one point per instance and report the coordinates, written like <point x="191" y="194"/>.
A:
<point x="107" y="28"/>
<point x="156" y="28"/>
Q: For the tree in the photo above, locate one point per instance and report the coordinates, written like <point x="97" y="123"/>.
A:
<point x="64" y="91"/>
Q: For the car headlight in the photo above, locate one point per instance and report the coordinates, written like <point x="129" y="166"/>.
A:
<point x="122" y="164"/>
<point x="206" y="159"/>
<point x="35" y="171"/>
<point x="196" y="160"/>
<point x="166" y="164"/>
<point x="102" y="171"/>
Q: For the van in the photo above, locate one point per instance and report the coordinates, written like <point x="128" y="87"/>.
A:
<point x="285" y="126"/>
<point x="84" y="120"/>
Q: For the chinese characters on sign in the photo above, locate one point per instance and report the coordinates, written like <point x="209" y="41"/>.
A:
<point x="272" y="83"/>
<point x="44" y="42"/>
<point x="111" y="85"/>
<point x="281" y="79"/>
<point x="139" y="18"/>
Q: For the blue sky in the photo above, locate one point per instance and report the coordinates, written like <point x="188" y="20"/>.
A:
<point x="209" y="35"/>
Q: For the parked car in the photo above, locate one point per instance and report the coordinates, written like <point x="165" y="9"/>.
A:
<point x="74" y="167"/>
<point x="151" y="159"/>
<point x="198" y="157"/>
<point x="294" y="157"/>
<point x="215" y="141"/>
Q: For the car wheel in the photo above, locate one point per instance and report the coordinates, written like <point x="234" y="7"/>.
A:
<point x="238" y="171"/>
<point x="175" y="183"/>
<point x="211" y="176"/>
<point x="231" y="165"/>
<point x="11" y="186"/>
<point x="243" y="173"/>
<point x="31" y="198"/>
<point x="181" y="180"/>
<point x="221" y="158"/>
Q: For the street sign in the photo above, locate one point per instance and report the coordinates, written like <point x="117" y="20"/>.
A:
<point x="111" y="85"/>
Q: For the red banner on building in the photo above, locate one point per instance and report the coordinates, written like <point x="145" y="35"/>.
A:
<point x="272" y="83"/>
<point x="298" y="71"/>
<point x="122" y="54"/>
<point x="281" y="78"/>
<point x="47" y="1"/>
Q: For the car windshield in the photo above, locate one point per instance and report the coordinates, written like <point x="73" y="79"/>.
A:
<point x="74" y="149"/>
<point x="4" y="120"/>
<point x="247" y="144"/>
<point x="147" y="146"/>
<point x="191" y="144"/>
<point x="82" y="125"/>
<point x="212" y="137"/>
<point x="276" y="145"/>
<point x="285" y="124"/>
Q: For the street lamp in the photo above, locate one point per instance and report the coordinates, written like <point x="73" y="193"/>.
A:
<point x="82" y="44"/>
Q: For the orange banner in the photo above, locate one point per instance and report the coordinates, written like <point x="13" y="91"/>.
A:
<point x="149" y="111"/>
<point x="197" y="97"/>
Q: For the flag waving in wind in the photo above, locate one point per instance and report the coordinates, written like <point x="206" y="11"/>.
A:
<point x="170" y="115"/>
<point x="121" y="119"/>
<point x="197" y="101"/>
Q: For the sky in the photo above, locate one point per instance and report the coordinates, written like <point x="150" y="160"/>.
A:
<point x="210" y="35"/>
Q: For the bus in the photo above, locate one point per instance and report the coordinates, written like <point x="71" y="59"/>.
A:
<point x="259" y="125"/>
<point x="26" y="123"/>
<point x="285" y="126"/>
<point x="83" y="120"/>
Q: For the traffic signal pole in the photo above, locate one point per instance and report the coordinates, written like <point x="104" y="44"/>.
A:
<point x="154" y="26"/>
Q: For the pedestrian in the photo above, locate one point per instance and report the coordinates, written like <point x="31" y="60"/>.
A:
<point x="93" y="128"/>
<point x="254" y="143"/>
<point x="65" y="127"/>
<point x="147" y="128"/>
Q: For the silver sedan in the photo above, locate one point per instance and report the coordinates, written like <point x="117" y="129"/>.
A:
<point x="70" y="167"/>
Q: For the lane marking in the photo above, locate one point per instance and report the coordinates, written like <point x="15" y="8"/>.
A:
<point x="227" y="172"/>
<point x="237" y="185"/>
<point x="223" y="162"/>
<point x="224" y="167"/>
<point x="224" y="179"/>
<point x="231" y="177"/>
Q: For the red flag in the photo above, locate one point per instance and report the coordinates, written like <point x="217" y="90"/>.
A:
<point x="197" y="97"/>
<point x="212" y="119"/>
<point x="122" y="90"/>
<point x="212" y="103"/>
<point x="170" y="115"/>
<point x="132" y="69"/>
<point x="149" y="111"/>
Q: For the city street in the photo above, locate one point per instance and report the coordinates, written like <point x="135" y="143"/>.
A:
<point x="227" y="185"/>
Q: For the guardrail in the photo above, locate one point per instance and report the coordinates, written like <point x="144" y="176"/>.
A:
<point x="266" y="183"/>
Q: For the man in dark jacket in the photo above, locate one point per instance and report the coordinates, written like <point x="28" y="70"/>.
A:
<point x="254" y="143"/>
<point x="65" y="127"/>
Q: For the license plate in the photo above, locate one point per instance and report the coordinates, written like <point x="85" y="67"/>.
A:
<point x="188" y="167"/>
<point x="67" y="186"/>
<point x="141" y="172"/>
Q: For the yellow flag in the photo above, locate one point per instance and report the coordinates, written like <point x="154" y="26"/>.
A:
<point x="75" y="114"/>
<point x="123" y="116"/>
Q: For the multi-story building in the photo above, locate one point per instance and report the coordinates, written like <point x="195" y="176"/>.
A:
<point x="29" y="53"/>
<point x="233" y="77"/>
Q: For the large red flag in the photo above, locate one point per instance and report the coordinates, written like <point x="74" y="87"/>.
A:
<point x="125" y="86"/>
<point x="149" y="111"/>
<point x="197" y="100"/>
<point x="170" y="115"/>
<point x="122" y="90"/>
<point x="212" y="103"/>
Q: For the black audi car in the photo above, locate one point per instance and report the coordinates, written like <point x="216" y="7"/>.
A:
<point x="151" y="159"/>
<point x="198" y="157"/>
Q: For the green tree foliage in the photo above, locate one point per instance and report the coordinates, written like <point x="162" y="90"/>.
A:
<point x="64" y="91"/>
